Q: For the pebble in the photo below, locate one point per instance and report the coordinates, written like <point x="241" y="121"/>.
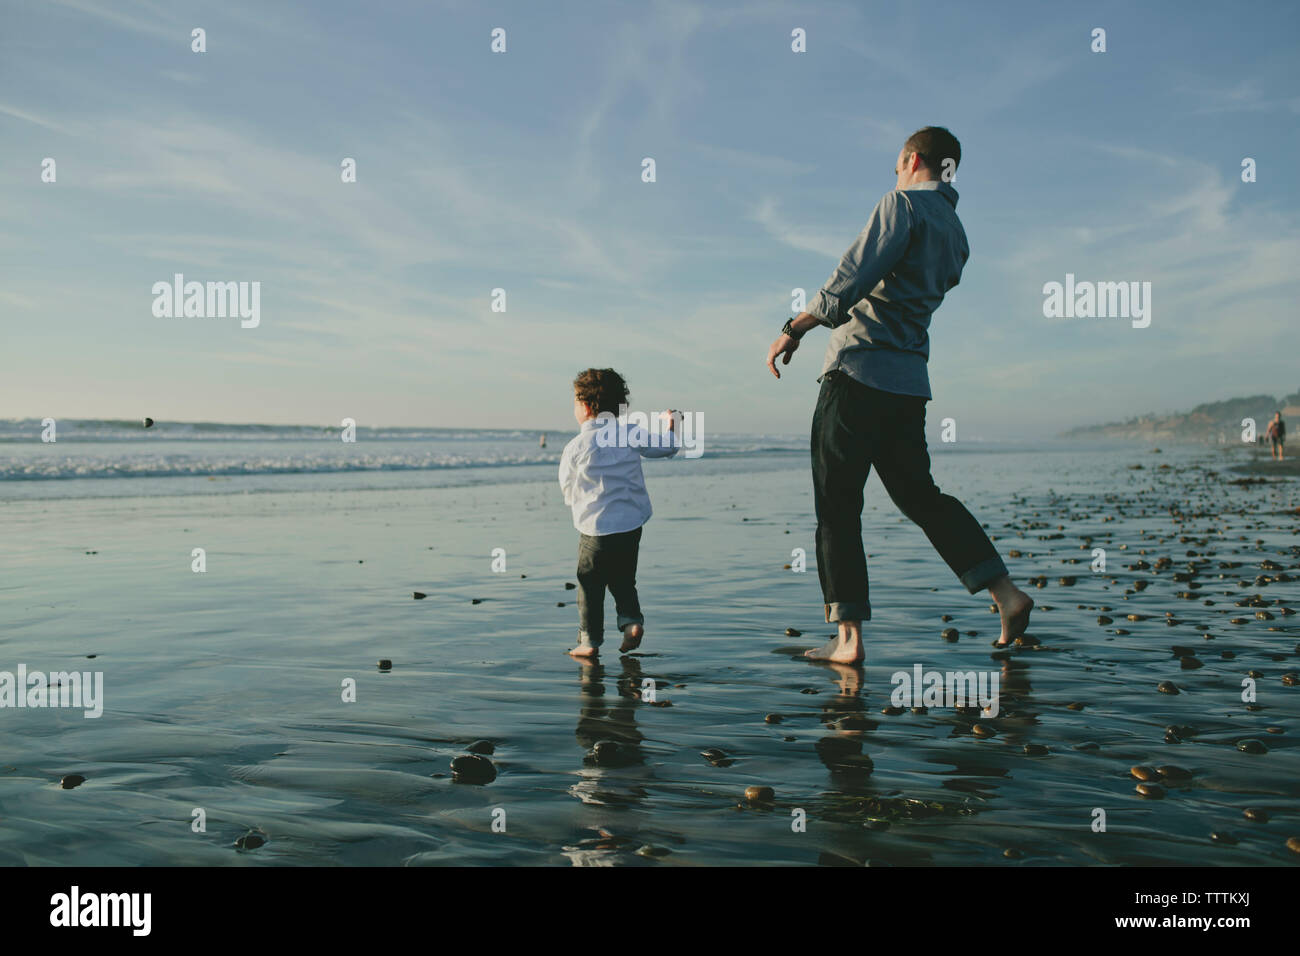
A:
<point x="472" y="768"/>
<point x="1144" y="773"/>
<point x="1255" y="815"/>
<point x="1075" y="705"/>
<point x="1036" y="750"/>
<point x="570" y="586"/>
<point x="72" y="780"/>
<point x="793" y="632"/>
<point x="1293" y="844"/>
<point x="983" y="730"/>
<point x="385" y="664"/>
<point x="475" y="600"/>
<point x="1151" y="790"/>
<point x="758" y="794"/>
<point x="653" y="851"/>
<point x="1291" y="679"/>
<point x="250" y="841"/>
<point x="891" y="710"/>
<point x="773" y="718"/>
<point x="1011" y="853"/>
<point x="950" y="634"/>
<point x="1224" y="837"/>
<point x="1167" y="687"/>
<point x="715" y="756"/>
<point x="1251" y="747"/>
<point x="419" y="595"/>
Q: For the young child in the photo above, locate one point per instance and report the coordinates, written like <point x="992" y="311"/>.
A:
<point x="603" y="484"/>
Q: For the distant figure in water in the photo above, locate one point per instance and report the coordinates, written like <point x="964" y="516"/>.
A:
<point x="874" y="386"/>
<point x="148" y="423"/>
<point x="1276" y="434"/>
<point x="600" y="475"/>
<point x="542" y="443"/>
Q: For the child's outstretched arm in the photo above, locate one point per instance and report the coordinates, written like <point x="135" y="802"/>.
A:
<point x="670" y="449"/>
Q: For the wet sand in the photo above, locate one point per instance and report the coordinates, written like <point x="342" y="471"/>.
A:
<point x="223" y="689"/>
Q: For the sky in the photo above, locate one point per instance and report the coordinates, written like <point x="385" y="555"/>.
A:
<point x="522" y="171"/>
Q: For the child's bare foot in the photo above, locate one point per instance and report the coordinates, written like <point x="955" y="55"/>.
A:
<point x="846" y="648"/>
<point x="632" y="635"/>
<point x="1014" y="606"/>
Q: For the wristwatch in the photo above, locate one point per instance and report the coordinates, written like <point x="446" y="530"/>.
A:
<point x="788" y="329"/>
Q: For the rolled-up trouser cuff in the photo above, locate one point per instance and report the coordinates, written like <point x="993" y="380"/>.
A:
<point x="983" y="574"/>
<point x="848" y="611"/>
<point x="624" y="621"/>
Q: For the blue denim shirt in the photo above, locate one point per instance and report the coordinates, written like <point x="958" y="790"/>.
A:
<point x="881" y="296"/>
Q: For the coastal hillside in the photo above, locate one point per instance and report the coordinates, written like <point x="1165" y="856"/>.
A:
<point x="1213" y="422"/>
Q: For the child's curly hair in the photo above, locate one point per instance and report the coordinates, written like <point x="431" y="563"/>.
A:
<point x="602" y="389"/>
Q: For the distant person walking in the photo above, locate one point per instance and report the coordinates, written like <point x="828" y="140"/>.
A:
<point x="1276" y="434"/>
<point x="874" y="386"/>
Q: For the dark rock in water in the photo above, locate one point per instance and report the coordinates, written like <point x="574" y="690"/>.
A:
<point x="148" y="423"/>
<point x="983" y="730"/>
<point x="1255" y="815"/>
<point x="1227" y="655"/>
<point x="1293" y="844"/>
<point x="793" y="632"/>
<point x="1251" y="747"/>
<point x="1291" y="679"/>
<point x="653" y="851"/>
<point x="1068" y="581"/>
<point x="385" y="664"/>
<point x="482" y="747"/>
<point x="1036" y="750"/>
<point x="557" y="603"/>
<point x="250" y="841"/>
<point x="950" y="635"/>
<point x="757" y="794"/>
<point x="1190" y="663"/>
<point x="773" y="718"/>
<point x="1173" y="774"/>
<point x="1103" y="619"/>
<point x="1075" y="705"/>
<point x="1182" y="651"/>
<point x="610" y="753"/>
<point x="1152" y="790"/>
<point x="1275" y="730"/>
<point x="920" y="710"/>
<point x="945" y="618"/>
<point x="1011" y="853"/>
<point x="72" y="780"/>
<point x="1181" y="730"/>
<point x="1027" y="640"/>
<point x="1224" y="837"/>
<point x="472" y="768"/>
<point x="1168" y="687"/>
<point x="855" y="722"/>
<point x="419" y="595"/>
<point x="891" y="710"/>
<point x="716" y="757"/>
<point x="1147" y="774"/>
<point x="569" y="586"/>
<point x="475" y="600"/>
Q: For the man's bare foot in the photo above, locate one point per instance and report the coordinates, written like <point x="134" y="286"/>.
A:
<point x="584" y="651"/>
<point x="845" y="649"/>
<point x="1014" y="606"/>
<point x="632" y="635"/>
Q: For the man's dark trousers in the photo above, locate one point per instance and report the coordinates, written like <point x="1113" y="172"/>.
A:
<point x="855" y="427"/>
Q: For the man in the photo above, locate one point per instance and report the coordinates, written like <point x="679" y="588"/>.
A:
<point x="874" y="386"/>
<point x="1276" y="434"/>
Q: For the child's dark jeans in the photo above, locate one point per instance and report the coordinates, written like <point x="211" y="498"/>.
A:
<point x="607" y="561"/>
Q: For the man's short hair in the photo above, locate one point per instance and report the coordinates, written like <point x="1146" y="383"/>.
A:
<point x="934" y="144"/>
<point x="601" y="389"/>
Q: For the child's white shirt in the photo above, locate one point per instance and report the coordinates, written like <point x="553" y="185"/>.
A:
<point x="600" y="475"/>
